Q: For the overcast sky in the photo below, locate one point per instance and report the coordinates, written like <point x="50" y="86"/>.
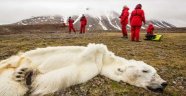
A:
<point x="12" y="11"/>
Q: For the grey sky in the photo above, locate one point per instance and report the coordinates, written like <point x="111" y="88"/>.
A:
<point x="12" y="11"/>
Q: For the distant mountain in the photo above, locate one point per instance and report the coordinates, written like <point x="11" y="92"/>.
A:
<point x="104" y="22"/>
<point x="42" y="20"/>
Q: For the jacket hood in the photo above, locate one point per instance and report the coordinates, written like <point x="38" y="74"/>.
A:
<point x="139" y="6"/>
<point x="126" y="8"/>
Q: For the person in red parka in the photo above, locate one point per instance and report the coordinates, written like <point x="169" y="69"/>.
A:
<point x="136" y="19"/>
<point x="124" y="21"/>
<point x="150" y="35"/>
<point x="71" y="26"/>
<point x="83" y="21"/>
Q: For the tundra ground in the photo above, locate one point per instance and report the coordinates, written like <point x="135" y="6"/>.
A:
<point x="167" y="56"/>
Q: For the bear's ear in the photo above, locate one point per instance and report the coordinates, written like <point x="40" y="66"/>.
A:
<point x="108" y="59"/>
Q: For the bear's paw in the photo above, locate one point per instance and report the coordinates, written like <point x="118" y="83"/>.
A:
<point x="23" y="75"/>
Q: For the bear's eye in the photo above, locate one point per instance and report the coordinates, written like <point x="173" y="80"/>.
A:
<point x="145" y="71"/>
<point x="120" y="70"/>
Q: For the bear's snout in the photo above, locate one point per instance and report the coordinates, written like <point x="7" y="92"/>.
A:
<point x="158" y="89"/>
<point x="164" y="84"/>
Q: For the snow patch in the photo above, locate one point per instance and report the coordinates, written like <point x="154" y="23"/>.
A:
<point x="111" y="23"/>
<point x="65" y="18"/>
<point x="156" y="26"/>
<point x="165" y="24"/>
<point x="160" y="26"/>
<point x="89" y="25"/>
<point x="77" y="19"/>
<point x="118" y="25"/>
<point x="143" y="27"/>
<point x="100" y="23"/>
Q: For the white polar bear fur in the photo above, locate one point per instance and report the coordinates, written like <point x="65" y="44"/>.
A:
<point x="59" y="67"/>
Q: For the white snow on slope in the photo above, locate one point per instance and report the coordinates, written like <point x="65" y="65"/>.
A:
<point x="160" y="26"/>
<point x="100" y="23"/>
<point x="111" y="23"/>
<point x="143" y="27"/>
<point x="165" y="24"/>
<point x="118" y="25"/>
<point x="89" y="25"/>
<point x="65" y="18"/>
<point x="156" y="26"/>
<point x="77" y="19"/>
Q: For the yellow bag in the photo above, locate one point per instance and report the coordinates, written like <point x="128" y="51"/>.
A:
<point x="157" y="38"/>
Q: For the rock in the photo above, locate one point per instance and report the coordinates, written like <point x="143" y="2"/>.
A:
<point x="181" y="87"/>
<point x="174" y="82"/>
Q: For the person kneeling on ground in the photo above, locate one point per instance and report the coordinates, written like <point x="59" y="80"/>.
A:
<point x="150" y="35"/>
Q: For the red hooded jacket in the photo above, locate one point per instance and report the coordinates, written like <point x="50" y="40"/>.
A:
<point x="124" y="16"/>
<point x="150" y="29"/>
<point x="83" y="21"/>
<point x="137" y="16"/>
<point x="70" y="22"/>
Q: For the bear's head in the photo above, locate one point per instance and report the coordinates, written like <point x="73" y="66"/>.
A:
<point x="134" y="72"/>
<point x="142" y="75"/>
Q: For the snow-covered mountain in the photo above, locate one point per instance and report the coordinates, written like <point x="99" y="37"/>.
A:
<point x="103" y="22"/>
<point x="42" y="20"/>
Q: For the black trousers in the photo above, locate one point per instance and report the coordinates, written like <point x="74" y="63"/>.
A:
<point x="149" y="36"/>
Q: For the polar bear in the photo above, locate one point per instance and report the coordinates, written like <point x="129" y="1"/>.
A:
<point x="47" y="70"/>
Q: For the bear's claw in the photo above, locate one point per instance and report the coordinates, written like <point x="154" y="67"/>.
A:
<point x="22" y="74"/>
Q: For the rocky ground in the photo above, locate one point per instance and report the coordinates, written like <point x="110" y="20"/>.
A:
<point x="167" y="56"/>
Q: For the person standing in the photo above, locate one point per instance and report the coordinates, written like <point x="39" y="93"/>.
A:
<point x="124" y="21"/>
<point x="136" y="19"/>
<point x="71" y="26"/>
<point x="83" y="21"/>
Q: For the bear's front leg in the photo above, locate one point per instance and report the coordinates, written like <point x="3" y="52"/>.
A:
<point x="23" y="76"/>
<point x="16" y="77"/>
<point x="13" y="83"/>
<point x="24" y="73"/>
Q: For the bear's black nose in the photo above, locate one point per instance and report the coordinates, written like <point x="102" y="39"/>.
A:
<point x="164" y="84"/>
